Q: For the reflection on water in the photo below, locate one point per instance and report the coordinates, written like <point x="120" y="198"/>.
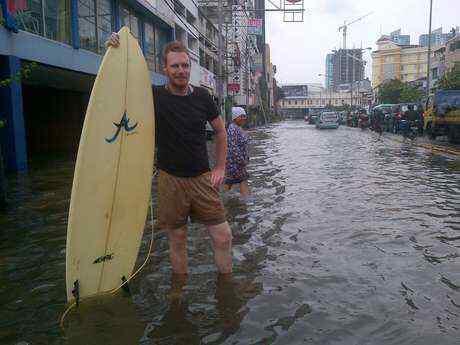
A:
<point x="347" y="239"/>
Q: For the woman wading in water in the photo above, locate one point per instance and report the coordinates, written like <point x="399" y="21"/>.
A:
<point x="237" y="154"/>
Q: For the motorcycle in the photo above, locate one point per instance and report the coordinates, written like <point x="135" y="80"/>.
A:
<point x="409" y="129"/>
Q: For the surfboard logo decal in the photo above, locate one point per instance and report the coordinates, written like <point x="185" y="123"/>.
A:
<point x="124" y="124"/>
<point x="103" y="258"/>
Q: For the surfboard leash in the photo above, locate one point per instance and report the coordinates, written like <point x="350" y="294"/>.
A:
<point x="126" y="281"/>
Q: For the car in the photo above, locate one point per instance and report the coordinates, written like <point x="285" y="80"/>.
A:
<point x="209" y="132"/>
<point x="312" y="119"/>
<point x="328" y="119"/>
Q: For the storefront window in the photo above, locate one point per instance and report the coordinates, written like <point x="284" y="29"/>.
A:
<point x="161" y="39"/>
<point x="150" y="46"/>
<point x="134" y="25"/>
<point x="95" y="24"/>
<point x="57" y="20"/>
<point x="48" y="18"/>
<point x="128" y="18"/>
<point x="104" y="22"/>
<point x="87" y="24"/>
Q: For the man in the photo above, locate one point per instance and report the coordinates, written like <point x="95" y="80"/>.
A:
<point x="186" y="186"/>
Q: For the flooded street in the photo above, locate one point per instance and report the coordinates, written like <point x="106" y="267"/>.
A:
<point x="347" y="239"/>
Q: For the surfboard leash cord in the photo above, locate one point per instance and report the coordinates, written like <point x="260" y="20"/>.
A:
<point x="71" y="306"/>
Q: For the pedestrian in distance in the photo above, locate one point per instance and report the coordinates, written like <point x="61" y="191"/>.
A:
<point x="237" y="155"/>
<point x="187" y="188"/>
<point x="378" y="119"/>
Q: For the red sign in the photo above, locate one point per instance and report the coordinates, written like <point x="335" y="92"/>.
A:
<point x="233" y="87"/>
<point x="257" y="22"/>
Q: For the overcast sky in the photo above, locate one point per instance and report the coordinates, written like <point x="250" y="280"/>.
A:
<point x="299" y="49"/>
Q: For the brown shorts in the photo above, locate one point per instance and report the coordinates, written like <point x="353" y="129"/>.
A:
<point x="182" y="197"/>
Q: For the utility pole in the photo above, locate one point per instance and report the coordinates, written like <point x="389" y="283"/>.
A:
<point x="351" y="85"/>
<point x="429" y="53"/>
<point x="220" y="79"/>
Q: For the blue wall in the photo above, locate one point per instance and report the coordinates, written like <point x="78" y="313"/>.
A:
<point x="13" y="139"/>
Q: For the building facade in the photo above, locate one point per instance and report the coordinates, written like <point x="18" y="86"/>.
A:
<point x="394" y="61"/>
<point x="445" y="58"/>
<point x="438" y="38"/>
<point x="302" y="99"/>
<point x="65" y="41"/>
<point x="241" y="52"/>
<point x="452" y="54"/>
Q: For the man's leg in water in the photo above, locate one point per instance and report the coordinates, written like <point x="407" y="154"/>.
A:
<point x="221" y="236"/>
<point x="178" y="250"/>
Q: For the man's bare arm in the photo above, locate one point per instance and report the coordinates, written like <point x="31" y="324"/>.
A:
<point x="218" y="173"/>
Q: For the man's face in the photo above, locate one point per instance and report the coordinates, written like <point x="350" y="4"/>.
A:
<point x="177" y="69"/>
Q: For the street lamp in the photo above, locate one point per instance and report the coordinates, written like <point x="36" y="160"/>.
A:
<point x="429" y="53"/>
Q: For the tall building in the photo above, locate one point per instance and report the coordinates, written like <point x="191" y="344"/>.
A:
<point x="396" y="37"/>
<point x="395" y="61"/>
<point x="347" y="66"/>
<point x="328" y="76"/>
<point x="438" y="38"/>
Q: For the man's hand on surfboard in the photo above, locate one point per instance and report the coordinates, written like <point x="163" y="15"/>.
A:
<point x="217" y="176"/>
<point x="113" y="41"/>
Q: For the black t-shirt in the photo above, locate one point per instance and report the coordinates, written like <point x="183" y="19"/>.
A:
<point x="181" y="130"/>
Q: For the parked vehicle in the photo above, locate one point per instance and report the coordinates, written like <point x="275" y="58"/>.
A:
<point x="442" y="115"/>
<point x="312" y="119"/>
<point x="209" y="131"/>
<point x="327" y="120"/>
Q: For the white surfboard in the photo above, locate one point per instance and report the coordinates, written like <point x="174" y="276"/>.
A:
<point x="113" y="174"/>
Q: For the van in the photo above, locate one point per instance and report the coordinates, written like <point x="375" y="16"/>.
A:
<point x="328" y="120"/>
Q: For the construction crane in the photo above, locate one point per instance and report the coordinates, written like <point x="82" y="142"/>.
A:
<point x="345" y="25"/>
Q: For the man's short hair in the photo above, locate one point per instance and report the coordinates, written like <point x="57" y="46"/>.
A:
<point x="176" y="47"/>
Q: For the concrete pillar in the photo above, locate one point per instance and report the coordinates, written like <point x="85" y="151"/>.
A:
<point x="13" y="138"/>
<point x="2" y="183"/>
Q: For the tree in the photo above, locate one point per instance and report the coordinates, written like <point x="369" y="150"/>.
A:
<point x="23" y="73"/>
<point x="410" y="94"/>
<point x="451" y="80"/>
<point x="390" y="91"/>
<point x="395" y="91"/>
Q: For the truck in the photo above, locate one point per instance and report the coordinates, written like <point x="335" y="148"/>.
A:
<point x="442" y="115"/>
